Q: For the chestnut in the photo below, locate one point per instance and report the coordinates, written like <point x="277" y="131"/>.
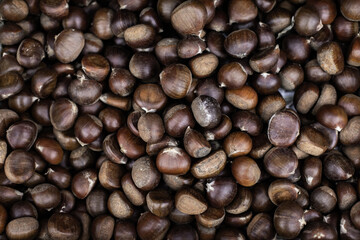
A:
<point x="190" y="201"/>
<point x="30" y="53"/>
<point x="206" y="111"/>
<point x="173" y="160"/>
<point x="176" y="80"/>
<point x="221" y="191"/>
<point x="349" y="9"/>
<point x="241" y="43"/>
<point x="22" y="134"/>
<point x="246" y="171"/>
<point x="177" y="119"/>
<point x="232" y="75"/>
<point x="307" y="21"/>
<point x="332" y="116"/>
<point x="150" y="226"/>
<point x="189" y="18"/>
<point x="289" y="219"/>
<point x="260" y="227"/>
<point x="64" y="225"/>
<point x="24" y="227"/>
<point x="68" y="45"/>
<point x="280" y="162"/>
<point x="19" y="166"/>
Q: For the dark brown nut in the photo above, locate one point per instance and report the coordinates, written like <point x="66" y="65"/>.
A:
<point x="144" y="65"/>
<point x="242" y="11"/>
<point x="14" y="11"/>
<point x="349" y="9"/>
<point x="20" y="209"/>
<point x="266" y="83"/>
<point x="337" y="167"/>
<point x="83" y="182"/>
<point x="19" y="166"/>
<point x="212" y="217"/>
<point x="84" y="91"/>
<point x="203" y="65"/>
<point x="261" y="145"/>
<point x="43" y="82"/>
<point x="280" y="162"/>
<point x="49" y="149"/>
<point x="110" y="175"/>
<point x="206" y="111"/>
<point x="59" y="176"/>
<point x="244" y="98"/>
<point x="30" y="53"/>
<point x="22" y="101"/>
<point x="331" y="58"/>
<point x="177" y="119"/>
<point x="278" y="19"/>
<point x="159" y="202"/>
<point x="3" y="152"/>
<point x="221" y="191"/>
<point x="124" y="230"/>
<point x="232" y="75"/>
<point x="46" y="196"/>
<point x="318" y="228"/>
<point x="306" y="95"/>
<point x="11" y="83"/>
<point x="152" y="227"/>
<point x="40" y="111"/>
<point x="135" y="196"/>
<point x="9" y="63"/>
<point x="237" y="144"/>
<point x="323" y="199"/>
<point x="195" y="144"/>
<point x="22" y="134"/>
<point x="269" y="105"/>
<point x="95" y="66"/>
<point x="190" y="201"/>
<point x="144" y="174"/>
<point x="111" y="149"/>
<point x="346" y="195"/>
<point x="55" y="9"/>
<point x="68" y="45"/>
<point x="246" y="171"/>
<point x="348" y="136"/>
<point x="151" y="127"/>
<point x="64" y="226"/>
<point x="87" y="128"/>
<point x="328" y="95"/>
<point x="265" y="35"/>
<point x="289" y="219"/>
<point x="130" y="145"/>
<point x="215" y="43"/>
<point x="81" y="158"/>
<point x="282" y="190"/>
<point x="265" y="60"/>
<point x="351" y="104"/>
<point x="22" y="228"/>
<point x="11" y="33"/>
<point x="111" y="118"/>
<point x="209" y="166"/>
<point x="348" y="80"/>
<point x="123" y="103"/>
<point x="248" y="122"/>
<point x="119" y="205"/>
<point x="312" y="141"/>
<point x="353" y="153"/>
<point x="140" y="36"/>
<point x="332" y="116"/>
<point x="101" y="25"/>
<point x="260" y="198"/>
<point x="176" y="182"/>
<point x="241" y="43"/>
<point x="189" y="18"/>
<point x="96" y="202"/>
<point x="76" y="18"/>
<point x="209" y="87"/>
<point x="353" y="56"/>
<point x="102" y="227"/>
<point x="10" y="195"/>
<point x="291" y="76"/>
<point x="190" y="46"/>
<point x="121" y="82"/>
<point x="150" y="97"/>
<point x="241" y="202"/>
<point x="260" y="227"/>
<point x="166" y="51"/>
<point x="283" y="128"/>
<point x="312" y="172"/>
<point x="176" y="80"/>
<point x="307" y="21"/>
<point x="173" y="160"/>
<point x="297" y="48"/>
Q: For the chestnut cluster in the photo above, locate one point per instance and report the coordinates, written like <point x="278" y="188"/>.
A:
<point x="179" y="119"/>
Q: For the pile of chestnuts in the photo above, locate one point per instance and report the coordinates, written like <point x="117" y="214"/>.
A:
<point x="179" y="119"/>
